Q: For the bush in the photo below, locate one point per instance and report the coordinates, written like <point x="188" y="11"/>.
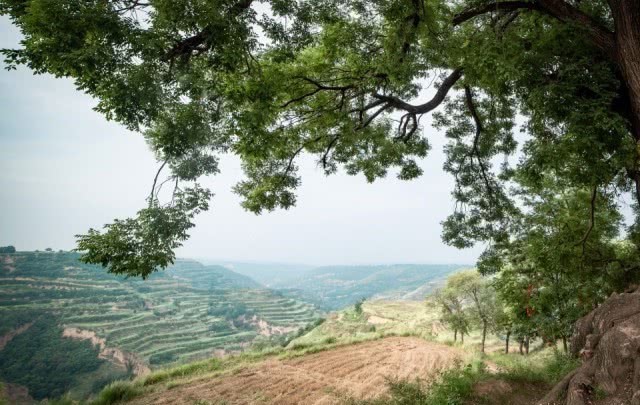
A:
<point x="161" y="358"/>
<point x="116" y="392"/>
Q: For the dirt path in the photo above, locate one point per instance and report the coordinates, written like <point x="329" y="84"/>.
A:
<point x="323" y="378"/>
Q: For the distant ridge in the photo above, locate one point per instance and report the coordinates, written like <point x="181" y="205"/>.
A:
<point x="334" y="287"/>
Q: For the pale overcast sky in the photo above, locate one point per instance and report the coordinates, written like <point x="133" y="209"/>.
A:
<point x="64" y="169"/>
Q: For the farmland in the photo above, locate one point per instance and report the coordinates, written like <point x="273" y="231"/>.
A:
<point x="188" y="312"/>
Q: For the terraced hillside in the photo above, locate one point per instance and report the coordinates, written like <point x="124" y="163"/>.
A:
<point x="189" y="311"/>
<point x="335" y="287"/>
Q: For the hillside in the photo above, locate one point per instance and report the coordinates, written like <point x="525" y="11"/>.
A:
<point x="390" y="353"/>
<point x="268" y="274"/>
<point x="328" y="377"/>
<point x="108" y="327"/>
<point x="334" y="287"/>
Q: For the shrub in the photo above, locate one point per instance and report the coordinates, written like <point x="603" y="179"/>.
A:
<point x="116" y="392"/>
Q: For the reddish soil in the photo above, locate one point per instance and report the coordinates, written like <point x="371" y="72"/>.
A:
<point x="359" y="371"/>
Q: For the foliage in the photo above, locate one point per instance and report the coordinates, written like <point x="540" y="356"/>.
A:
<point x="138" y="246"/>
<point x="334" y="79"/>
<point x="7" y="249"/>
<point x="116" y="392"/>
<point x="456" y="385"/>
<point x="161" y="320"/>
<point x="558" y="267"/>
<point x="357" y="307"/>
<point x="45" y="362"/>
<point x="467" y="300"/>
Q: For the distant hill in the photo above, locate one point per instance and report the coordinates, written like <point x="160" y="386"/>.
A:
<point x="210" y="276"/>
<point x="66" y="326"/>
<point x="334" y="287"/>
<point x="268" y="274"/>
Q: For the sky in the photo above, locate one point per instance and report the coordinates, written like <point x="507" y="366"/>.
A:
<point x="64" y="169"/>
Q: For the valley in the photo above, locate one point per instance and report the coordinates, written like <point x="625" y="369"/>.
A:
<point x="115" y="328"/>
<point x="335" y="287"/>
<point x="129" y="326"/>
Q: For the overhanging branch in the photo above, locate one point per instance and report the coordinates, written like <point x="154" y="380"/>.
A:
<point x="559" y="9"/>
<point x="430" y="105"/>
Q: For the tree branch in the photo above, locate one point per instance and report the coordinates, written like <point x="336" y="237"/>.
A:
<point x="186" y="46"/>
<point x="592" y="219"/>
<point x="155" y="180"/>
<point x="430" y="105"/>
<point x="479" y="128"/>
<point x="495" y="6"/>
<point x="559" y="9"/>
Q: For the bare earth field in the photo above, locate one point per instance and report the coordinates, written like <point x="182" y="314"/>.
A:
<point x="358" y="370"/>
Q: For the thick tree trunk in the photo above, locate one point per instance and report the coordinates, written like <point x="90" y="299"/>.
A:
<point x="608" y="338"/>
<point x="506" y="347"/>
<point x="626" y="14"/>
<point x="608" y="341"/>
<point x="462" y="337"/>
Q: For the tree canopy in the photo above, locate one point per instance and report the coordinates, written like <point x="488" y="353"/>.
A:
<point x="348" y="82"/>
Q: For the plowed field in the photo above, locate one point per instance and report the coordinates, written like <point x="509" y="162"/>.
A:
<point x="359" y="371"/>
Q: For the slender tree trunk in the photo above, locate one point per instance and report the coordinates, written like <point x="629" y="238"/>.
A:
<point x="521" y="344"/>
<point x="564" y="344"/>
<point x="455" y="335"/>
<point x="506" y="347"/>
<point x="484" y="335"/>
<point x="526" y="345"/>
<point x="462" y="337"/>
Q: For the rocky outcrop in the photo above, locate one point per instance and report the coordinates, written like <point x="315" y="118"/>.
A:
<point x="111" y="354"/>
<point x="608" y="342"/>
<point x="4" y="339"/>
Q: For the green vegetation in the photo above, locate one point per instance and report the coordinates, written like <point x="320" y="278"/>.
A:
<point x="456" y="386"/>
<point x="41" y="359"/>
<point x="468" y="300"/>
<point x="116" y="392"/>
<point x="186" y="313"/>
<point x="336" y="80"/>
<point x="7" y="249"/>
<point x="335" y="287"/>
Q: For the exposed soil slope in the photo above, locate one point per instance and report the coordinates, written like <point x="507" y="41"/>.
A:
<point x="359" y="370"/>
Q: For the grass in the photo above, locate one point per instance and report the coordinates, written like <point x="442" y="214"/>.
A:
<point x="453" y="387"/>
<point x="542" y="367"/>
<point x="456" y="385"/>
<point x="165" y="318"/>
<point x="117" y="392"/>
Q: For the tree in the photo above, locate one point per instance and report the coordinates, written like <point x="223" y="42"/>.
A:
<point x="329" y="78"/>
<point x="556" y="268"/>
<point x="357" y="307"/>
<point x="339" y="80"/>
<point x="504" y="322"/>
<point x="7" y="249"/>
<point x="479" y="295"/>
<point x="453" y="313"/>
